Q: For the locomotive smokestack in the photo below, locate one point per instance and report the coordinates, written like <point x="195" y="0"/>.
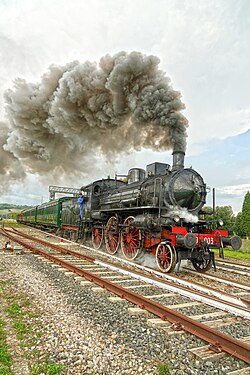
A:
<point x="178" y="160"/>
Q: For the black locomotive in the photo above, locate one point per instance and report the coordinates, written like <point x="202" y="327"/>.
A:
<point x="157" y="211"/>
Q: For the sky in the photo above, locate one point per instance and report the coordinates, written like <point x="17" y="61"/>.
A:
<point x="201" y="46"/>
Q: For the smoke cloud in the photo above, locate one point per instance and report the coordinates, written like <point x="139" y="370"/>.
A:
<point x="11" y="169"/>
<point x="82" y="110"/>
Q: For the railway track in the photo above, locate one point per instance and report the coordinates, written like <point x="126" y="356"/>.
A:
<point x="223" y="281"/>
<point x="241" y="269"/>
<point x="125" y="282"/>
<point x="187" y="287"/>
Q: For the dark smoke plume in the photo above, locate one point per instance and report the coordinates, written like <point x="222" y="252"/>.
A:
<point x="83" y="109"/>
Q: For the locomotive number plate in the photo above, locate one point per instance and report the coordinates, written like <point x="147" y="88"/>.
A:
<point x="210" y="240"/>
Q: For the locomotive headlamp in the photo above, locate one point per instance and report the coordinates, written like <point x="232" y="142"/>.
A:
<point x="176" y="218"/>
<point x="220" y="222"/>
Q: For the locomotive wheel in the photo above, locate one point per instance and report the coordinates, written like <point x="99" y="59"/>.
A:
<point x="203" y="266"/>
<point x="166" y="257"/>
<point x="112" y="235"/>
<point x="131" y="239"/>
<point x="97" y="237"/>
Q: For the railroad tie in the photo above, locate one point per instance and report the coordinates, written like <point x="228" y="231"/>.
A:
<point x="137" y="311"/>
<point x="204" y="353"/>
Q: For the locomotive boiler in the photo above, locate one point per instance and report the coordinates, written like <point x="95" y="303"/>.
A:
<point x="160" y="189"/>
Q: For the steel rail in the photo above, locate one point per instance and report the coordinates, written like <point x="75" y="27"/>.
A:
<point x="229" y="263"/>
<point x="234" y="270"/>
<point x="53" y="246"/>
<point x="220" y="340"/>
<point x="164" y="275"/>
<point x="236" y="305"/>
<point x="206" y="294"/>
<point x="221" y="279"/>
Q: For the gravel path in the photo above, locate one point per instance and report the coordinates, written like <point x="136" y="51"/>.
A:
<point x="91" y="335"/>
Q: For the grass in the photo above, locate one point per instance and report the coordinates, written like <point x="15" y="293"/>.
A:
<point x="236" y="254"/>
<point x="25" y="320"/>
<point x="243" y="253"/>
<point x="18" y="313"/>
<point x="5" y="357"/>
<point x="47" y="369"/>
<point x="14" y="311"/>
<point x="10" y="223"/>
<point x="163" y="368"/>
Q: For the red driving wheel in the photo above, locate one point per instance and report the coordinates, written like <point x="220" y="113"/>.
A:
<point x="131" y="239"/>
<point x="97" y="236"/>
<point x="112" y="235"/>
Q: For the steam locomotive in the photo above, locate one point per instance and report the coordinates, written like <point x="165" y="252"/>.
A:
<point x="157" y="211"/>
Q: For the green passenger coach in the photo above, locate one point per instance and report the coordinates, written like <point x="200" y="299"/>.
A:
<point x="50" y="214"/>
<point x="29" y="215"/>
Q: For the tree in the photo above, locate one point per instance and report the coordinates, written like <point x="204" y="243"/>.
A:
<point x="245" y="216"/>
<point x="238" y="229"/>
<point x="226" y="214"/>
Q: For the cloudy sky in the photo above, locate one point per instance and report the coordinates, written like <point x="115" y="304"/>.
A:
<point x="203" y="47"/>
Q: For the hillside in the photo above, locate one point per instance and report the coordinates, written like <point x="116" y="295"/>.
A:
<point x="7" y="206"/>
<point x="8" y="210"/>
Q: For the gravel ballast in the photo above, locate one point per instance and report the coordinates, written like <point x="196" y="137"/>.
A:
<point x="88" y="334"/>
